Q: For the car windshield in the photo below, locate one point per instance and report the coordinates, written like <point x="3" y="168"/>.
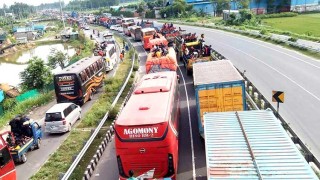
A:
<point x="53" y="117"/>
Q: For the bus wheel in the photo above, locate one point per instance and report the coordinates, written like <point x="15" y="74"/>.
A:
<point x="23" y="158"/>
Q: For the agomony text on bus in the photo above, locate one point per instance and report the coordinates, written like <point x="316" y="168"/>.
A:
<point x="79" y="81"/>
<point x="147" y="128"/>
<point x="111" y="57"/>
<point x="7" y="170"/>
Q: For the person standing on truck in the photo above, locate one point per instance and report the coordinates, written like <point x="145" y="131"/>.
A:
<point x="131" y="175"/>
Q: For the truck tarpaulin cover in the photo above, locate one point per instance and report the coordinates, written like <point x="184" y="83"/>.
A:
<point x="163" y="63"/>
<point x="1" y="95"/>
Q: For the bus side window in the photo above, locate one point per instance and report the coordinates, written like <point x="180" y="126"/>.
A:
<point x="92" y="69"/>
<point x="174" y="108"/>
<point x="82" y="76"/>
<point x="95" y="67"/>
<point x="4" y="157"/>
<point x="100" y="63"/>
<point x="88" y="72"/>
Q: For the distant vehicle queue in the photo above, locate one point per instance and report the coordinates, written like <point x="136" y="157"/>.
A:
<point x="142" y="132"/>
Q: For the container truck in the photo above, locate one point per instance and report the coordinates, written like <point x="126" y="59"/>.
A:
<point x="251" y="145"/>
<point x="218" y="87"/>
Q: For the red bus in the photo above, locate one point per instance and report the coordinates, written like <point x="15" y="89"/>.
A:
<point x="7" y="168"/>
<point x="147" y="128"/>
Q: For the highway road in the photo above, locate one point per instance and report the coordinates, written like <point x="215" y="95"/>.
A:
<point x="50" y="143"/>
<point x="269" y="67"/>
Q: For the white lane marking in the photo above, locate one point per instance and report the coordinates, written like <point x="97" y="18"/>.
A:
<point x="275" y="70"/>
<point x="249" y="40"/>
<point x="191" y="136"/>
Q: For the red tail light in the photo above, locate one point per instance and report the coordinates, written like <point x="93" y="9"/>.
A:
<point x="64" y="122"/>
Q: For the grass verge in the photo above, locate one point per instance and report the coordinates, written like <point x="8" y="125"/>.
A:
<point x="61" y="159"/>
<point x="25" y="106"/>
<point x="307" y="24"/>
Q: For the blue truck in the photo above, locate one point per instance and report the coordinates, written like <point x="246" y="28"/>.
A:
<point x="22" y="138"/>
<point x="219" y="87"/>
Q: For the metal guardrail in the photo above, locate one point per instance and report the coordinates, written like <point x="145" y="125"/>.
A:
<point x="94" y="134"/>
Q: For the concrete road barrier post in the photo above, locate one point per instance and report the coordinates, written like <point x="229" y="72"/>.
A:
<point x="250" y="90"/>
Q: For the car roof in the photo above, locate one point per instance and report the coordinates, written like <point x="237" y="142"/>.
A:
<point x="58" y="107"/>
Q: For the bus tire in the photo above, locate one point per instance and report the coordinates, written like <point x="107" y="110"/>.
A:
<point x="23" y="158"/>
<point x="38" y="144"/>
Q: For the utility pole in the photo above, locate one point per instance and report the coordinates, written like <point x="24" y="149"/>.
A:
<point x="64" y="26"/>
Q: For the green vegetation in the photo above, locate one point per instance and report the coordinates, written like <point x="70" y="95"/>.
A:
<point x="36" y="76"/>
<point x="76" y="5"/>
<point x="12" y="108"/>
<point x="80" y="169"/>
<point x="304" y="24"/>
<point x="83" y="46"/>
<point x="277" y="15"/>
<point x="60" y="160"/>
<point x="57" y="58"/>
<point x="111" y="89"/>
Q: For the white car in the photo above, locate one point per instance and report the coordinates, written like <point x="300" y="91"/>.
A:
<point x="60" y="117"/>
<point x="86" y="27"/>
<point x="120" y="29"/>
<point x="114" y="27"/>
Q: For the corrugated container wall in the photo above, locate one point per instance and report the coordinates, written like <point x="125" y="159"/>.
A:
<point x="219" y="87"/>
<point x="251" y="145"/>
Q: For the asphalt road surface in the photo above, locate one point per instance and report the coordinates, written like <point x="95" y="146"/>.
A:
<point x="269" y="67"/>
<point x="50" y="143"/>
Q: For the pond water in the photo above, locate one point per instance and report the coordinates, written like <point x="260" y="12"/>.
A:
<point x="12" y="65"/>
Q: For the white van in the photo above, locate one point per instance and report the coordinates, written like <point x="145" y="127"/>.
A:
<point x="60" y="117"/>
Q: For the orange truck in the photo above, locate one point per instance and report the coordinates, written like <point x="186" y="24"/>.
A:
<point x="149" y="40"/>
<point x="158" y="63"/>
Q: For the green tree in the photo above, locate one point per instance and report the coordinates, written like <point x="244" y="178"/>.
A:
<point x="141" y="8"/>
<point x="36" y="75"/>
<point x="57" y="58"/>
<point x="243" y="4"/>
<point x="221" y="5"/>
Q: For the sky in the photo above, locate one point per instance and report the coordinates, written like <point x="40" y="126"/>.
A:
<point x="29" y="2"/>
